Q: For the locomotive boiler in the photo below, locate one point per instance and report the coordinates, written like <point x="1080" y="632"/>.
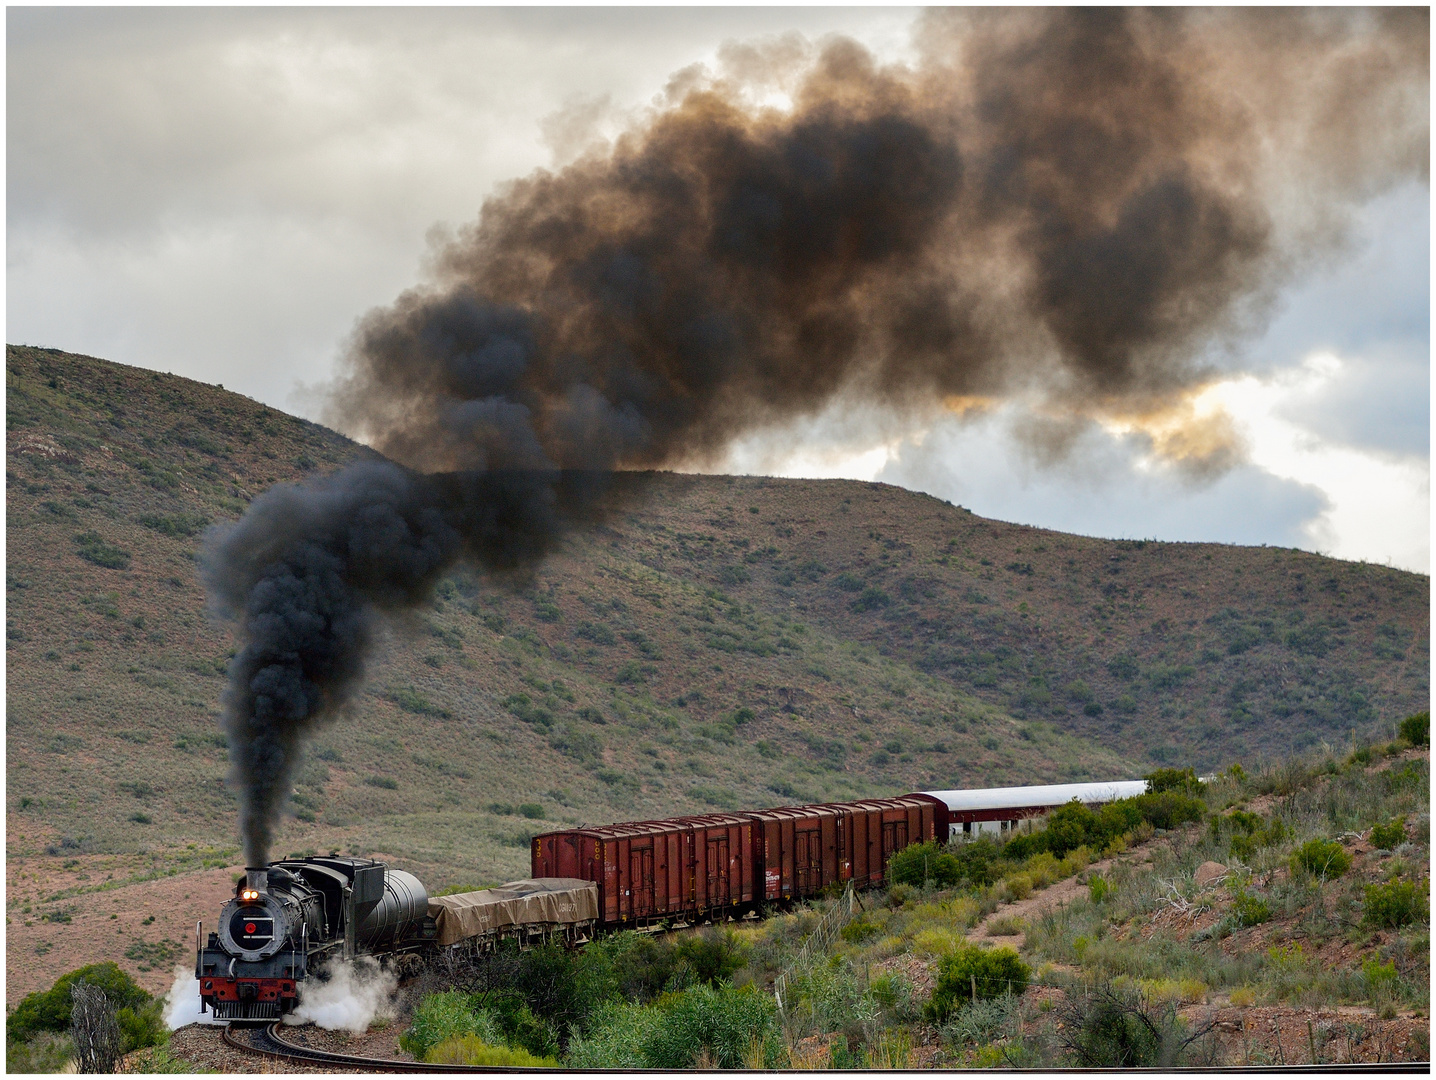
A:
<point x="290" y="917"/>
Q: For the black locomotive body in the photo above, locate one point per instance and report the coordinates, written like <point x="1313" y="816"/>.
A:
<point x="288" y="918"/>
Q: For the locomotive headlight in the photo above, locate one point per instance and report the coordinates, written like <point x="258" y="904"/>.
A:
<point x="248" y="894"/>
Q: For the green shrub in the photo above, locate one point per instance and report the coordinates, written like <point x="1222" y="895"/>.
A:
<point x="1377" y="974"/>
<point x="830" y="998"/>
<point x="712" y="956"/>
<point x="725" y="1022"/>
<point x="859" y="930"/>
<point x="412" y="701"/>
<point x="1417" y="729"/>
<point x="1069" y="827"/>
<point x="142" y="1025"/>
<point x="1321" y="858"/>
<point x="871" y="599"/>
<point x="1180" y="780"/>
<point x="44" y="1052"/>
<point x="49" y="1010"/>
<point x="91" y="547"/>
<point x="1240" y="821"/>
<point x="532" y="810"/>
<point x="1248" y="910"/>
<point x="1098" y="888"/>
<point x="472" y="1050"/>
<point x="522" y="1026"/>
<point x="894" y="992"/>
<point x="1105" y="1027"/>
<point x="918" y="864"/>
<point x="1393" y="904"/>
<point x="1024" y="845"/>
<point x="981" y="1023"/>
<point x="978" y="860"/>
<point x="1251" y="833"/>
<point x="614" y="1038"/>
<point x="439" y="1017"/>
<point x="1017" y="886"/>
<point x="176" y="525"/>
<point x="1006" y="926"/>
<point x="1074" y="825"/>
<point x="630" y="965"/>
<point x="978" y="974"/>
<point x="1169" y="809"/>
<point x="1389" y="835"/>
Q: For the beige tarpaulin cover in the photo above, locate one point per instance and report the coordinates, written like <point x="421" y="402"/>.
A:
<point x="534" y="900"/>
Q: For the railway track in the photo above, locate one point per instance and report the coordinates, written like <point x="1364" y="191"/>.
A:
<point x="266" y="1041"/>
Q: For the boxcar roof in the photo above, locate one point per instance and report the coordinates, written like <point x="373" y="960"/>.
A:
<point x="1038" y="795"/>
<point x="646" y="828"/>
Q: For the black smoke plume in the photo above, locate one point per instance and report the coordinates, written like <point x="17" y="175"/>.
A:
<point x="1073" y="202"/>
<point x="308" y="571"/>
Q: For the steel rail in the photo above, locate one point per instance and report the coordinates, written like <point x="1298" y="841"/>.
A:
<point x="267" y="1042"/>
<point x="283" y="1050"/>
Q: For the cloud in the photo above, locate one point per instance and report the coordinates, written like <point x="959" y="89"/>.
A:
<point x="1378" y="402"/>
<point x="221" y="192"/>
<point x="1379" y="502"/>
<point x="1106" y="485"/>
<point x="1295" y="488"/>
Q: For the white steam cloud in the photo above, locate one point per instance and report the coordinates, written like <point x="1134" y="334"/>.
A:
<point x="182" y="1001"/>
<point x="349" y="1000"/>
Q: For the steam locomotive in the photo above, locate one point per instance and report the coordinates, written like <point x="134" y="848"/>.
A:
<point x="290" y="917"/>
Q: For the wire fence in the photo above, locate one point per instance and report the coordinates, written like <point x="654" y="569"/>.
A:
<point x="827" y="931"/>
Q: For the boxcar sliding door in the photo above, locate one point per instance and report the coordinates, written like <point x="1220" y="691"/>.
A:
<point x="640" y="877"/>
<point x="718" y="892"/>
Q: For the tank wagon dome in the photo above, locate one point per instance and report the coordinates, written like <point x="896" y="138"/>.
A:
<point x="1037" y="795"/>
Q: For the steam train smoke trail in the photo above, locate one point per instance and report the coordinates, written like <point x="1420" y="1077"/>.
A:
<point x="1068" y="203"/>
<point x="309" y="571"/>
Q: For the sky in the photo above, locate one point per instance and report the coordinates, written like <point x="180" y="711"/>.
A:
<point x="222" y="193"/>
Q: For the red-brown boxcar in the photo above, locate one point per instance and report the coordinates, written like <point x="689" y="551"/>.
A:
<point x="648" y="871"/>
<point x="870" y="831"/>
<point x="798" y="850"/>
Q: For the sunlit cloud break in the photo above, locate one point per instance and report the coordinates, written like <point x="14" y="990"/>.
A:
<point x="1379" y="504"/>
<point x="1373" y="505"/>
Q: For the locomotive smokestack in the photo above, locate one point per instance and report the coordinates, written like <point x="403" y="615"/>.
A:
<point x="256" y="882"/>
<point x="1071" y="205"/>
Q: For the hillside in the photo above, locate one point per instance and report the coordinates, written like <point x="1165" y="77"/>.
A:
<point x="722" y="642"/>
<point x="1290" y="926"/>
<point x="1278" y="918"/>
